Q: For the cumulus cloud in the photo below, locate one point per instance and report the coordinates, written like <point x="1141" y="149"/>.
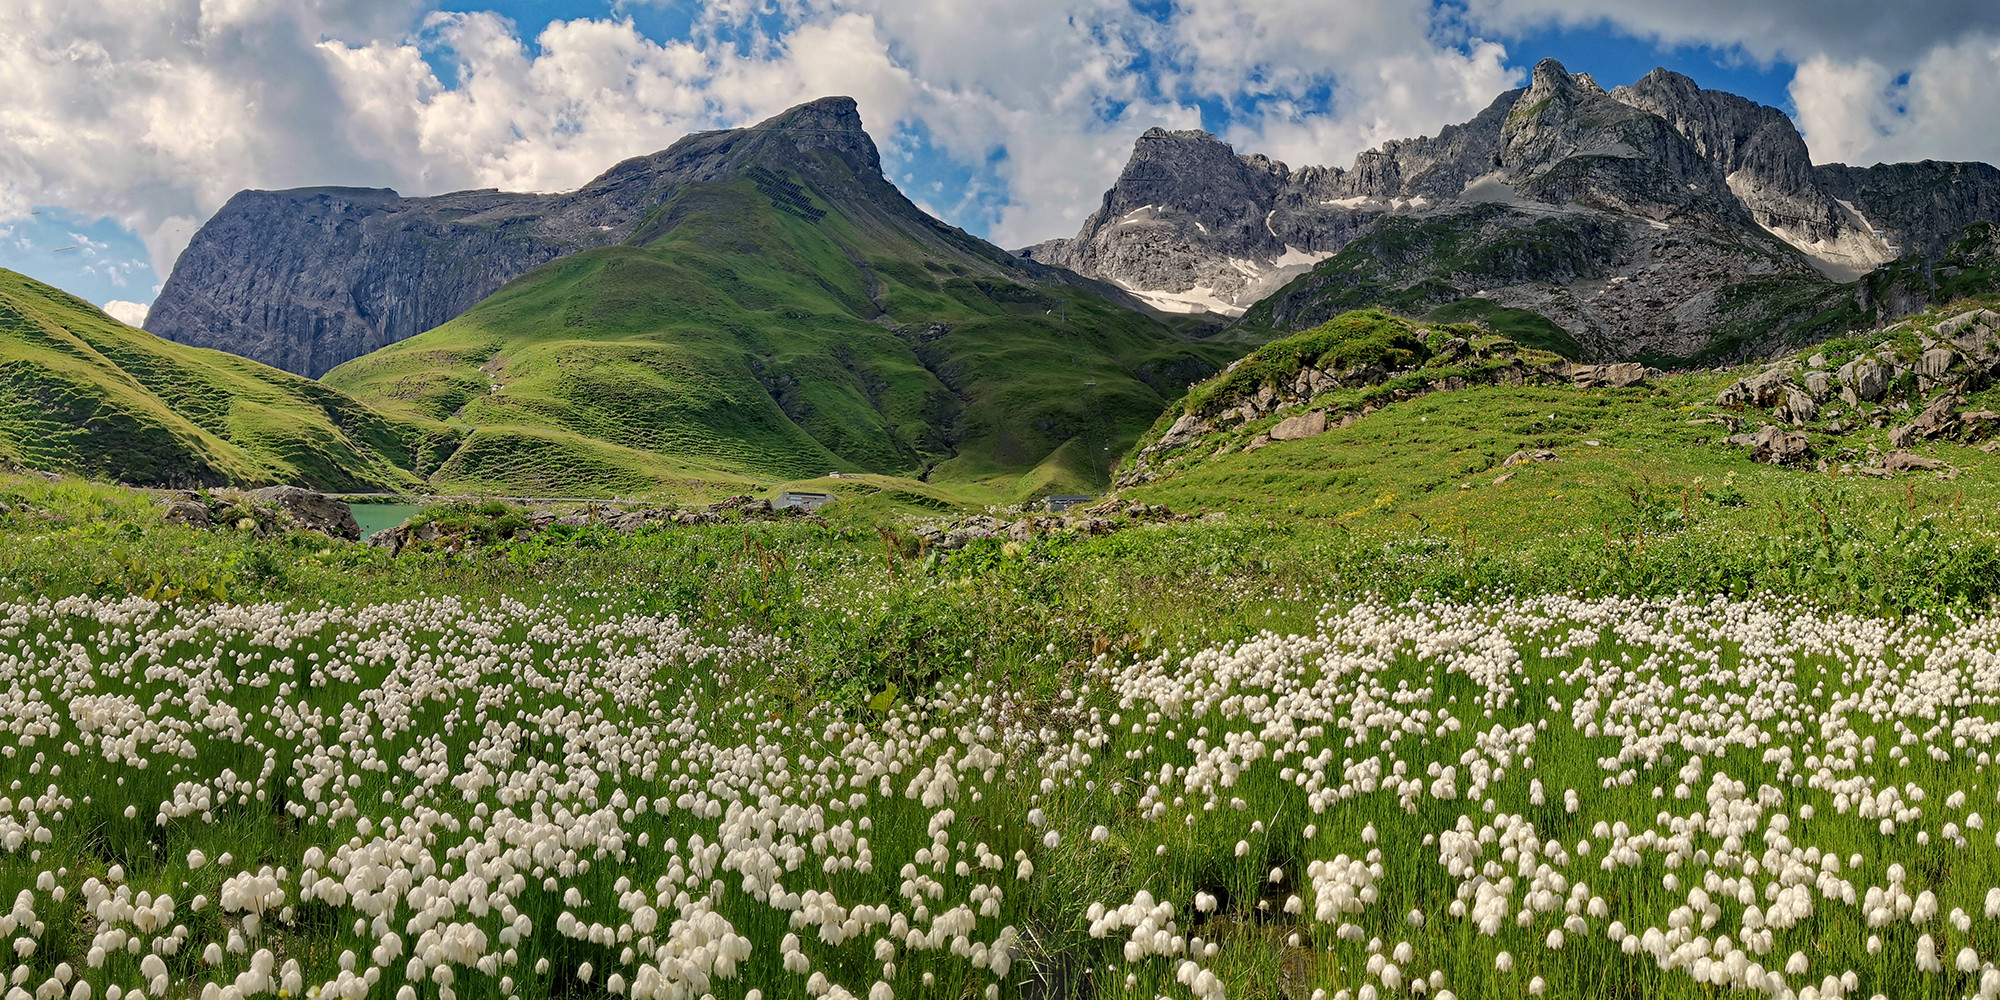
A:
<point x="128" y="313"/>
<point x="1792" y="30"/>
<point x="1862" y="112"/>
<point x="152" y="114"/>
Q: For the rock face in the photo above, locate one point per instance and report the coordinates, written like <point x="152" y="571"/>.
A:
<point x="306" y="279"/>
<point x="1192" y="226"/>
<point x="1633" y="219"/>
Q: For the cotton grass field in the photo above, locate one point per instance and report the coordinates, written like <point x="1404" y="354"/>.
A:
<point x="488" y="797"/>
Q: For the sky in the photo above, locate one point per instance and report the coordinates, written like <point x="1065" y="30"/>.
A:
<point x="127" y="123"/>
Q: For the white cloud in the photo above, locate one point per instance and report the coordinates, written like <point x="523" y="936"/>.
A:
<point x="1404" y="97"/>
<point x="1793" y="30"/>
<point x="1860" y="112"/>
<point x="154" y="113"/>
<point x="149" y="113"/>
<point x="128" y="313"/>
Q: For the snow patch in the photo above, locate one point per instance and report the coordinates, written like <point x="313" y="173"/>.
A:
<point x="1297" y="258"/>
<point x="1853" y="251"/>
<point x="1260" y="278"/>
<point x="1135" y="215"/>
<point x="1194" y="300"/>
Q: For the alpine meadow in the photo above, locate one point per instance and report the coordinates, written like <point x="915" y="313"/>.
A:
<point x="1557" y="555"/>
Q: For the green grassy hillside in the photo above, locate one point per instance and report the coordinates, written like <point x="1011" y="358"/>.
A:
<point x="1620" y="463"/>
<point x="831" y="329"/>
<point x="81" y="392"/>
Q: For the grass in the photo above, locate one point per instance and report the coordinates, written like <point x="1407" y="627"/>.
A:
<point x="1278" y="683"/>
<point x="83" y="393"/>
<point x="1631" y="464"/>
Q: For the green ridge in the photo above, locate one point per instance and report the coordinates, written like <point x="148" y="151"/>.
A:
<point x="738" y="337"/>
<point x="83" y="393"/>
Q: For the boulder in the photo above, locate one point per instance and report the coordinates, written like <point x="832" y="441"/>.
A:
<point x="1904" y="461"/>
<point x="1617" y="376"/>
<point x="190" y="513"/>
<point x="1976" y="425"/>
<point x="1937" y="419"/>
<point x="1774" y="445"/>
<point x="1304" y="425"/>
<point x="1868" y="379"/>
<point x="1935" y="362"/>
<point x="1797" y="407"/>
<point x="1185" y="431"/>
<point x="301" y="508"/>
<point x="1763" y="389"/>
<point x="1976" y="334"/>
<point x="1820" y="384"/>
<point x="1524" y="455"/>
<point x="1951" y="327"/>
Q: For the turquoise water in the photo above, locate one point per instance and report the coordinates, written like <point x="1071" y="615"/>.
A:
<point x="373" y="517"/>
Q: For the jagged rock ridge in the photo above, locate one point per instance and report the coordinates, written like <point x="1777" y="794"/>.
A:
<point x="1631" y="218"/>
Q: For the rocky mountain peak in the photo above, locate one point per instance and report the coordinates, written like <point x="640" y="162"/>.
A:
<point x="793" y="139"/>
<point x="1549" y="77"/>
<point x="837" y="113"/>
<point x="306" y="279"/>
<point x="830" y="124"/>
<point x="1620" y="215"/>
<point x="1188" y="134"/>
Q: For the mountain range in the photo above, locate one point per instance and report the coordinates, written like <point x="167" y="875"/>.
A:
<point x="753" y="304"/>
<point x="1657" y="220"/>
<point x="761" y="304"/>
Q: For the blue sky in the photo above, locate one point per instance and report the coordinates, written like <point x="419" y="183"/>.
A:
<point x="974" y="183"/>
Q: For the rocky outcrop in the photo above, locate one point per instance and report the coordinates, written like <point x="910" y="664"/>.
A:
<point x="1617" y="376"/>
<point x="1322" y="395"/>
<point x="1912" y="385"/>
<point x="1775" y="446"/>
<point x="264" y="512"/>
<point x="957" y="534"/>
<point x="454" y="533"/>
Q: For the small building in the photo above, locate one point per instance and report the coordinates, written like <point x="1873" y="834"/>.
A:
<point x="807" y="502"/>
<point x="1059" y="504"/>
